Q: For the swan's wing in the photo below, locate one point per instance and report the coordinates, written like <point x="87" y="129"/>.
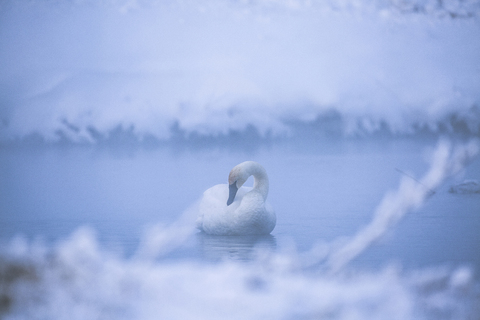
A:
<point x="214" y="198"/>
<point x="215" y="217"/>
<point x="271" y="216"/>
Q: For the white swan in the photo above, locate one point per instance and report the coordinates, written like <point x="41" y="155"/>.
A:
<point x="235" y="210"/>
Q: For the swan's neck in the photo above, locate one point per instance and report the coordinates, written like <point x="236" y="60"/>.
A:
<point x="260" y="184"/>
<point x="240" y="174"/>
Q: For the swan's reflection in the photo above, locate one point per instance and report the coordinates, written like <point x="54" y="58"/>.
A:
<point x="240" y="248"/>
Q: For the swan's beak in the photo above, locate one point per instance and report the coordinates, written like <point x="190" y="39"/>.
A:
<point x="232" y="191"/>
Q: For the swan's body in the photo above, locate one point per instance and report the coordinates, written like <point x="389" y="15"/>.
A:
<point x="235" y="210"/>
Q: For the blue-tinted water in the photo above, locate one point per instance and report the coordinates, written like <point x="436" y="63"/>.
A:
<point x="320" y="194"/>
<point x="135" y="258"/>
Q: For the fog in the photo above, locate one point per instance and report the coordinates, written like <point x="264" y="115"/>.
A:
<point x="116" y="116"/>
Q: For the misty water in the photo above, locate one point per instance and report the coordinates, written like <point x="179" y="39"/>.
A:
<point x="322" y="190"/>
<point x="72" y="211"/>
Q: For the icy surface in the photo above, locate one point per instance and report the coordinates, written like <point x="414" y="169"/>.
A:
<point x="84" y="71"/>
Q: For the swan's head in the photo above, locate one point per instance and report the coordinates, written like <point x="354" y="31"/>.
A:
<point x="237" y="177"/>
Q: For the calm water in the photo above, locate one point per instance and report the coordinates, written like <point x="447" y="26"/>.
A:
<point x="105" y="233"/>
<point x="320" y="194"/>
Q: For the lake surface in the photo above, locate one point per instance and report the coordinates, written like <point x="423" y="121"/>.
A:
<point x="87" y="206"/>
<point x="320" y="194"/>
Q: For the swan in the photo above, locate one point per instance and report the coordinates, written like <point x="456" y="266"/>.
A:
<point x="235" y="210"/>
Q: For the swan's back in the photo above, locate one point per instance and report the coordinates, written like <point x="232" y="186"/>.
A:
<point x="248" y="214"/>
